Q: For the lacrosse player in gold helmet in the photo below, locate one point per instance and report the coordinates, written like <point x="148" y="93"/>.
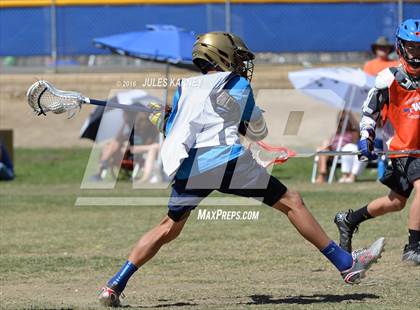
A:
<point x="202" y="152"/>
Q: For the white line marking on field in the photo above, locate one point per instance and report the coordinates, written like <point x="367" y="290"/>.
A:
<point x="161" y="201"/>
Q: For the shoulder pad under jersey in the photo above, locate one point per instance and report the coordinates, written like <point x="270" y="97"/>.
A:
<point x="404" y="80"/>
<point x="385" y="78"/>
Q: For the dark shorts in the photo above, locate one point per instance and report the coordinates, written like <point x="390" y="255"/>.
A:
<point x="241" y="176"/>
<point x="400" y="176"/>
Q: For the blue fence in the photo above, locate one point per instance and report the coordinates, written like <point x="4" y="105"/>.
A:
<point x="276" y="27"/>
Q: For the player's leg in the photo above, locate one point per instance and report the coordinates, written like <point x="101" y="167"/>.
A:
<point x="411" y="251"/>
<point x="292" y="205"/>
<point x="251" y="180"/>
<point x="183" y="199"/>
<point x="147" y="247"/>
<point x="150" y="243"/>
<point x="245" y="177"/>
<point x="351" y="267"/>
<point x="396" y="178"/>
<point x="393" y="202"/>
<point x="349" y="221"/>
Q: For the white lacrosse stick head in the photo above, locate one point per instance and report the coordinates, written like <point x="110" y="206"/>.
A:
<point x="266" y="155"/>
<point x="43" y="97"/>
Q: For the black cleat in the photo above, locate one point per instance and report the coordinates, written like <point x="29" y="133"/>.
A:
<point x="345" y="229"/>
<point x="411" y="254"/>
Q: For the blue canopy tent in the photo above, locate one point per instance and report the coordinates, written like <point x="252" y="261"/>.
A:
<point x="158" y="43"/>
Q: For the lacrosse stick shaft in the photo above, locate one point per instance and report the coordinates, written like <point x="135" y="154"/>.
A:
<point x="126" y="107"/>
<point x="344" y="153"/>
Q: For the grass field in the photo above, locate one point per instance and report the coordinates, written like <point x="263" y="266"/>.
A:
<point x="55" y="255"/>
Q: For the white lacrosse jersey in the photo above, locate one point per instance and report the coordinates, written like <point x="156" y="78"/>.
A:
<point x="204" y="121"/>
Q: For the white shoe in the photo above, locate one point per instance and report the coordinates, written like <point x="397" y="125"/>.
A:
<point x="363" y="259"/>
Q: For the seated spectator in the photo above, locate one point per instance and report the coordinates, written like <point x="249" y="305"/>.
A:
<point x="6" y="165"/>
<point x="143" y="139"/>
<point x="351" y="167"/>
<point x="382" y="50"/>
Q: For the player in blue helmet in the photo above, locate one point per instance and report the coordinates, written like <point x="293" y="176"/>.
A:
<point x="408" y="46"/>
<point x="203" y="150"/>
<point x="396" y="99"/>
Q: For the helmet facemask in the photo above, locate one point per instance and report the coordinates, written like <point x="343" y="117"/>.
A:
<point x="409" y="53"/>
<point x="244" y="64"/>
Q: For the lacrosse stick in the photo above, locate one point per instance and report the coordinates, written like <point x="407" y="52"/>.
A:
<point x="267" y="155"/>
<point x="344" y="153"/>
<point x="43" y="97"/>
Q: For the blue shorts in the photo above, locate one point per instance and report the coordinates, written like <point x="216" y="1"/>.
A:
<point x="241" y="176"/>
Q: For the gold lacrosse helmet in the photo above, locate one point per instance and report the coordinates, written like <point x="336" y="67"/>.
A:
<point x="223" y="51"/>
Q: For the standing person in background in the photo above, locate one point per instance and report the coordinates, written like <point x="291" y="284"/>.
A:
<point x="382" y="50"/>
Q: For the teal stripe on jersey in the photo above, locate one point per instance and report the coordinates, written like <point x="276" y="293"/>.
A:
<point x="204" y="159"/>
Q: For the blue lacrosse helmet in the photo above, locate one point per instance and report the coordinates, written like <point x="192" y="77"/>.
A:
<point x="408" y="45"/>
